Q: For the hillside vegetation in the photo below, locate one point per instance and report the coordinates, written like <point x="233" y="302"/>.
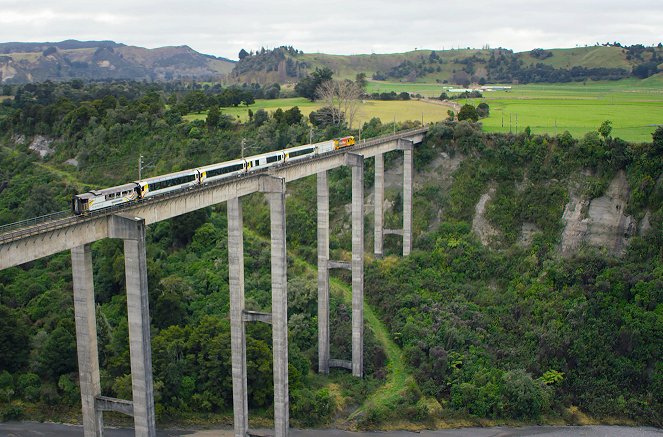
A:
<point x="459" y="66"/>
<point x="459" y="332"/>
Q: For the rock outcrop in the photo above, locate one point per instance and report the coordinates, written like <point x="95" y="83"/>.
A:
<point x="42" y="146"/>
<point x="600" y="222"/>
<point x="480" y="225"/>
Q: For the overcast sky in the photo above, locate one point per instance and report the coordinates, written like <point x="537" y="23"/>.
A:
<point x="223" y="27"/>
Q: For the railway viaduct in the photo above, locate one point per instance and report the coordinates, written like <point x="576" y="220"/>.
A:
<point x="129" y="224"/>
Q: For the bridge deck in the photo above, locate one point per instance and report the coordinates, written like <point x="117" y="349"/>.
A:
<point x="64" y="232"/>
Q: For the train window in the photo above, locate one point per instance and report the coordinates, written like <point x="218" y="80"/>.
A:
<point x="300" y="153"/>
<point x="224" y="170"/>
<point x="155" y="186"/>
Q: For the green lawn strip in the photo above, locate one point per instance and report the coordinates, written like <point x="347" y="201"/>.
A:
<point x="398" y="377"/>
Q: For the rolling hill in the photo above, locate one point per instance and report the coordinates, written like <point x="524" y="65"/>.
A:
<point x="285" y="64"/>
<point x="66" y="60"/>
<point x="22" y="62"/>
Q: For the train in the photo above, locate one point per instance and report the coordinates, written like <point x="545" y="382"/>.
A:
<point x="85" y="203"/>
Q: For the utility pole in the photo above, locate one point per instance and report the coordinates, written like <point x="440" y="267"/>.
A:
<point x="310" y="135"/>
<point x="394" y="124"/>
<point x="243" y="144"/>
<point x="510" y="122"/>
<point x="140" y="167"/>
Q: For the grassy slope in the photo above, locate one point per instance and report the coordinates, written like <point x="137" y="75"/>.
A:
<point x="590" y="57"/>
<point x="347" y="66"/>
<point x="398" y="376"/>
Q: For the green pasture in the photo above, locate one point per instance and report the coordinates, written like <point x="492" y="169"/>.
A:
<point x="635" y="107"/>
<point x="387" y="111"/>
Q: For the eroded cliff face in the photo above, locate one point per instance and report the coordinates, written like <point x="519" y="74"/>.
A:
<point x="600" y="222"/>
<point x="480" y="224"/>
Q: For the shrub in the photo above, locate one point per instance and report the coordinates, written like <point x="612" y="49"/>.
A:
<point x="524" y="397"/>
<point x="29" y="387"/>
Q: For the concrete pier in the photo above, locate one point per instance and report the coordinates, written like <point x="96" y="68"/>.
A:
<point x="86" y="339"/>
<point x="132" y="231"/>
<point x="323" y="273"/>
<point x="237" y="307"/>
<point x="29" y="242"/>
<point x="379" y="206"/>
<point x="275" y="189"/>
<point x="408" y="172"/>
<point x="357" y="163"/>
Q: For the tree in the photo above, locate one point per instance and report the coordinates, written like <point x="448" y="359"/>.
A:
<point x="170" y="308"/>
<point x="184" y="226"/>
<point x="468" y="112"/>
<point x="243" y="54"/>
<point x="58" y="355"/>
<point x="260" y="117"/>
<point x="343" y="97"/>
<point x="360" y="80"/>
<point x="14" y="339"/>
<point x="326" y="116"/>
<point x="213" y="117"/>
<point x="292" y="116"/>
<point x="307" y="86"/>
<point x="657" y="140"/>
<point x="605" y="129"/>
<point x="483" y="110"/>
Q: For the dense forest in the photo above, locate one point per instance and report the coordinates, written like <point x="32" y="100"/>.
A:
<point x="507" y="333"/>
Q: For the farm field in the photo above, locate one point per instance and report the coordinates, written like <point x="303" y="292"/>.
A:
<point x="387" y="111"/>
<point x="635" y="107"/>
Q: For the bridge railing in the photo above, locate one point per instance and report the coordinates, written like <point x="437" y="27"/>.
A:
<point x="34" y="221"/>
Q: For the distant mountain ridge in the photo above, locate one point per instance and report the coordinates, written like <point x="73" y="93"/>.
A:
<point x="22" y="62"/>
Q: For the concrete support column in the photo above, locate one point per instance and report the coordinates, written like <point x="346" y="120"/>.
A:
<point x="86" y="339"/>
<point x="132" y="231"/>
<point x="323" y="273"/>
<point x="275" y="189"/>
<point x="379" y="205"/>
<point x="357" y="164"/>
<point x="237" y="330"/>
<point x="408" y="172"/>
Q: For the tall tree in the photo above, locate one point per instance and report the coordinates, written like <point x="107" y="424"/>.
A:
<point x="343" y="96"/>
<point x="307" y="86"/>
